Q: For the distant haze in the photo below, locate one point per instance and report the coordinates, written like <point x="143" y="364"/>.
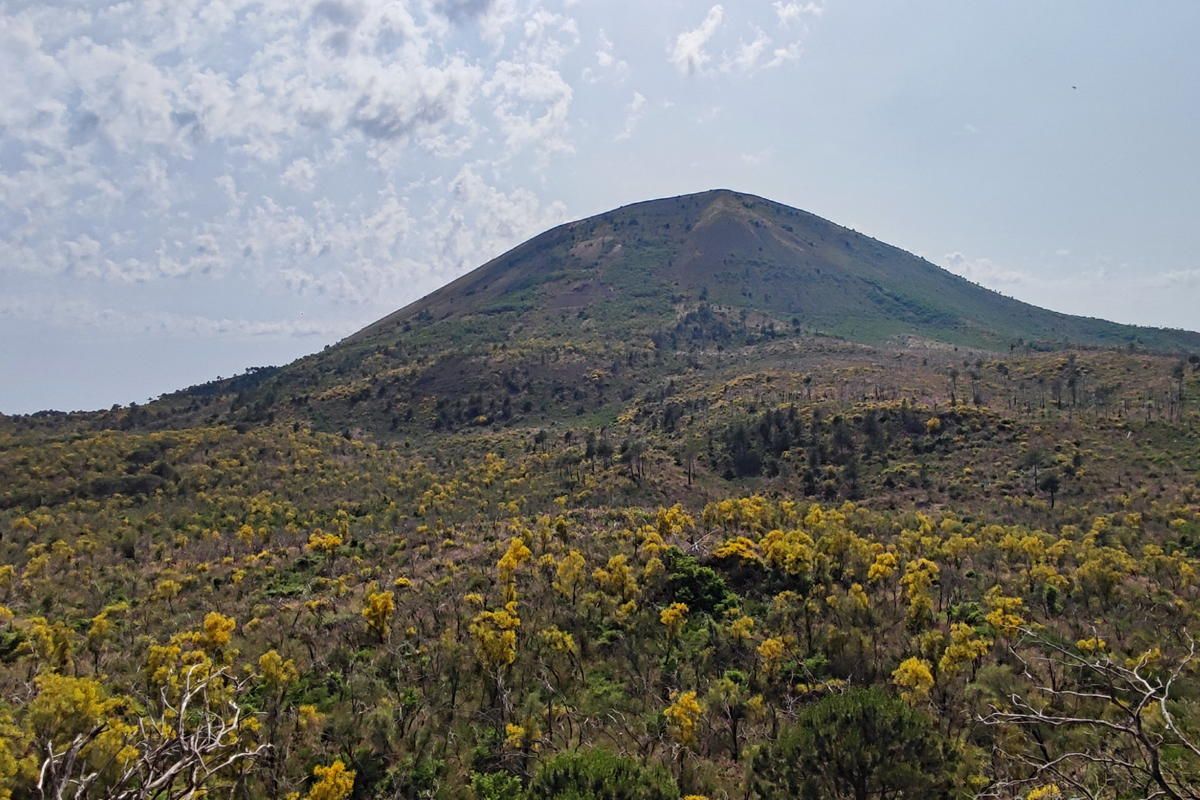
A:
<point x="191" y="188"/>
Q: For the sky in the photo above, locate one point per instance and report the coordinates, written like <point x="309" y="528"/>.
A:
<point x="192" y="187"/>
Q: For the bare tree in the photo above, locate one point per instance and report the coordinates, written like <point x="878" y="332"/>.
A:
<point x="180" y="749"/>
<point x="1102" y="727"/>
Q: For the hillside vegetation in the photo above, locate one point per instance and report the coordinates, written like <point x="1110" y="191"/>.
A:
<point x="702" y="498"/>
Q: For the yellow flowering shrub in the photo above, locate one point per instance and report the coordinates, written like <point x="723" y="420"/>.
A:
<point x="558" y="640"/>
<point x="673" y="617"/>
<point x="334" y="782"/>
<point x="378" y="610"/>
<point x="323" y="543"/>
<point x="683" y="717"/>
<point x="883" y="567"/>
<point x="1003" y="611"/>
<point x="495" y="634"/>
<point x="965" y="647"/>
<point x="278" y="673"/>
<point x="516" y="555"/>
<point x="914" y="678"/>
<point x="772" y="652"/>
<point x="216" y="631"/>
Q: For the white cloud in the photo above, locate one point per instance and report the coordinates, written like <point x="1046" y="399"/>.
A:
<point x="1174" y="278"/>
<point x="783" y="55"/>
<point x="633" y="115"/>
<point x="792" y="12"/>
<point x="748" y="54"/>
<point x="548" y="37"/>
<point x="1122" y="292"/>
<point x="30" y="95"/>
<point x="123" y="95"/>
<point x="463" y="10"/>
<point x="393" y="107"/>
<point x="695" y="51"/>
<point x="607" y="62"/>
<point x="531" y="103"/>
<point x="689" y="53"/>
<point x="604" y="52"/>
<point x="300" y="175"/>
<point x="983" y="270"/>
<point x="481" y="221"/>
<point x="757" y="159"/>
<point x="114" y="117"/>
<point x="70" y="314"/>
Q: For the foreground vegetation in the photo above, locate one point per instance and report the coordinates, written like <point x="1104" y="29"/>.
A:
<point x="824" y="598"/>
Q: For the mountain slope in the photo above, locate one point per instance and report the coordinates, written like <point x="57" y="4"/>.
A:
<point x="579" y="320"/>
<point x="637" y="267"/>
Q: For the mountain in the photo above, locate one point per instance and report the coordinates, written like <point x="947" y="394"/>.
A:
<point x="577" y="320"/>
<point x="642" y="266"/>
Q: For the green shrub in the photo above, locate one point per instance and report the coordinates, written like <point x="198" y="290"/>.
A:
<point x="700" y="587"/>
<point x="600" y="775"/>
<point x="861" y="744"/>
<point x="496" y="786"/>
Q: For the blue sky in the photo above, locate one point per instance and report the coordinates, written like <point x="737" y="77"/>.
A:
<point x="191" y="187"/>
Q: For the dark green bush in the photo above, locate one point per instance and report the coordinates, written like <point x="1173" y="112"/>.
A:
<point x="858" y="745"/>
<point x="700" y="587"/>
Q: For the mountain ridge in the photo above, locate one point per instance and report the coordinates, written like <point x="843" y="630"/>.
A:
<point x="885" y="291"/>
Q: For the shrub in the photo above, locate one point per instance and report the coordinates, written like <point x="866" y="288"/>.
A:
<point x="699" y="587"/>
<point x="861" y="744"/>
<point x="600" y="775"/>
